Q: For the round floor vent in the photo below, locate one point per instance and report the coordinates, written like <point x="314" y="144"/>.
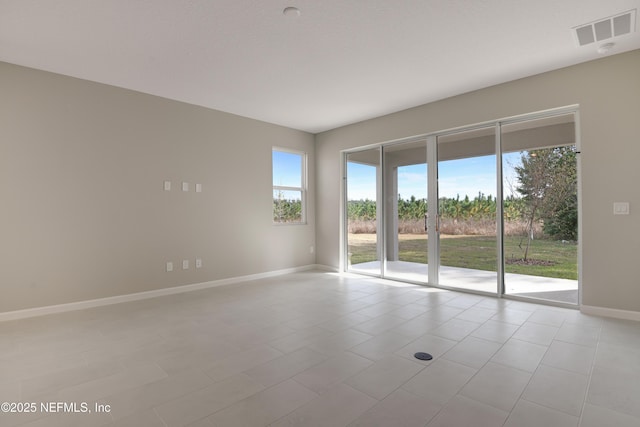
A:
<point x="423" y="356"/>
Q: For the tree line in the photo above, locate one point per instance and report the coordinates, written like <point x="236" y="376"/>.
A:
<point x="480" y="207"/>
<point x="286" y="210"/>
<point x="545" y="193"/>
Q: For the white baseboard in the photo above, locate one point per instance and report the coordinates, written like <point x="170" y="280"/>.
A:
<point x="611" y="312"/>
<point x="81" y="305"/>
<point x="323" y="267"/>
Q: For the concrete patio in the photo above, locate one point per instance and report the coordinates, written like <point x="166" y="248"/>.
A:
<point x="545" y="288"/>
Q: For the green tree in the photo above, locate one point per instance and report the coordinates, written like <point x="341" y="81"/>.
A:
<point x="547" y="181"/>
<point x="286" y="210"/>
<point x="561" y="204"/>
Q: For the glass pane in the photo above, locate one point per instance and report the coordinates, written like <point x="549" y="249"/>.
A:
<point x="287" y="169"/>
<point x="287" y="206"/>
<point x="363" y="250"/>
<point x="405" y="180"/>
<point x="540" y="187"/>
<point x="467" y="210"/>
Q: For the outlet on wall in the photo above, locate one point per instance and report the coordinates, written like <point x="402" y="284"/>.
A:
<point x="185" y="264"/>
<point x="198" y="262"/>
<point x="621" y="208"/>
<point x="169" y="266"/>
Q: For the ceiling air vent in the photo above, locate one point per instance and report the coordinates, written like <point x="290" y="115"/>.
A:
<point x="603" y="29"/>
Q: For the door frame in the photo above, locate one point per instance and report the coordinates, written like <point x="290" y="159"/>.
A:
<point x="432" y="199"/>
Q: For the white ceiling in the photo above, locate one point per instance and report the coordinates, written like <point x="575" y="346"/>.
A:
<point x="339" y="62"/>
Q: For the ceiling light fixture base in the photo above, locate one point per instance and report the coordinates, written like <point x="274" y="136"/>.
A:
<point x="291" y="11"/>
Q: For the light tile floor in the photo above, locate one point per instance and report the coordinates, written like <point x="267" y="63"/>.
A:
<point x="322" y="349"/>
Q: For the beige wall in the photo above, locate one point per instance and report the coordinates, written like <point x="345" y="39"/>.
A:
<point x="608" y="92"/>
<point x="83" y="213"/>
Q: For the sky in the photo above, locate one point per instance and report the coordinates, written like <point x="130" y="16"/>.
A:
<point x="455" y="178"/>
<point x="287" y="169"/>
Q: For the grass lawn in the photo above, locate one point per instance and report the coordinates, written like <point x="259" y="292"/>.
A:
<point x="477" y="252"/>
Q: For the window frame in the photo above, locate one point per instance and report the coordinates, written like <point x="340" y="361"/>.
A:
<point x="302" y="189"/>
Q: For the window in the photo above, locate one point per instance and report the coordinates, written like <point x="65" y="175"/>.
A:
<point x="289" y="186"/>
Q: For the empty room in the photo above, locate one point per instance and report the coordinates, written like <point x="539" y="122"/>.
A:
<point x="304" y="213"/>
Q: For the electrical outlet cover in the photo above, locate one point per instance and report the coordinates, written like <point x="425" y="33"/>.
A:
<point x="621" y="208"/>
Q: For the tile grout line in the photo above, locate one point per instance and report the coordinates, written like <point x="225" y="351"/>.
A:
<point x="592" y="367"/>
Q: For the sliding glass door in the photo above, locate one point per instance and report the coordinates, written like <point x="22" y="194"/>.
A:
<point x="363" y="216"/>
<point x="405" y="180"/>
<point x="467" y="226"/>
<point x="491" y="208"/>
<point x="540" y="188"/>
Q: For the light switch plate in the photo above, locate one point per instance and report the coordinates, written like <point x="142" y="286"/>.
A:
<point x="198" y="262"/>
<point x="185" y="264"/>
<point x="167" y="186"/>
<point x="169" y="266"/>
<point x="198" y="188"/>
<point x="621" y="208"/>
<point x="185" y="186"/>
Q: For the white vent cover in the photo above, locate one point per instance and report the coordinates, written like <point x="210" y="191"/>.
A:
<point x="603" y="29"/>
